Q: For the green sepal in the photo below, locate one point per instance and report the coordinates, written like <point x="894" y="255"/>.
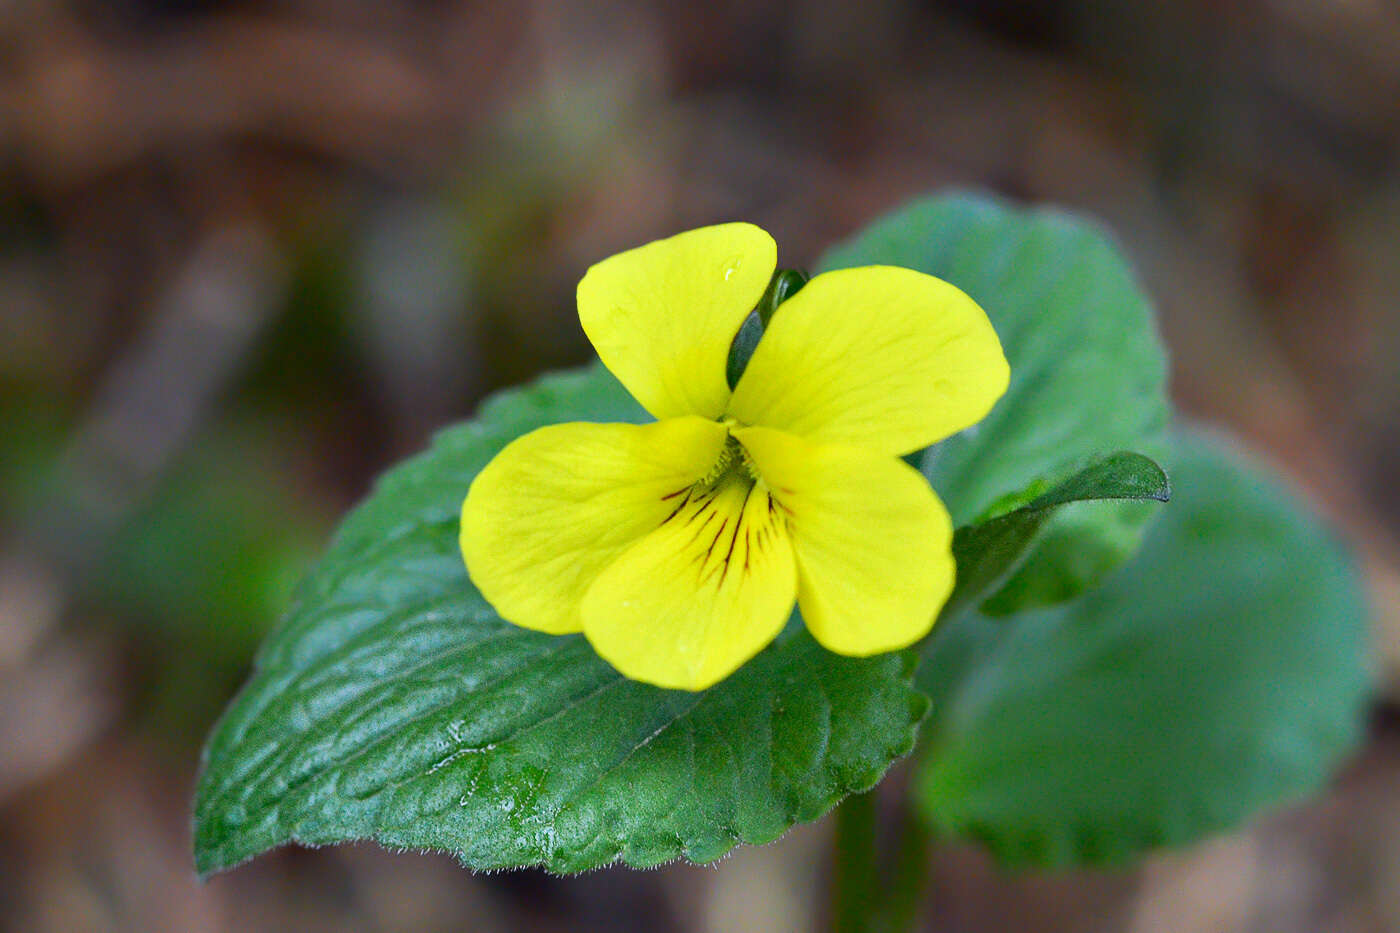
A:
<point x="783" y="285"/>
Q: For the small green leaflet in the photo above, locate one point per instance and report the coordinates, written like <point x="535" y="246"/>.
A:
<point x="986" y="553"/>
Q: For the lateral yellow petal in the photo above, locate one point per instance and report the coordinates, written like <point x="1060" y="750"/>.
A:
<point x="873" y="543"/>
<point x="558" y="505"/>
<point x="879" y="357"/>
<point x="688" y="604"/>
<point x="662" y="316"/>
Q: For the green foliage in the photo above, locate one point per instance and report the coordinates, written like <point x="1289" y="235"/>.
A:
<point x="393" y="704"/>
<point x="1219" y="672"/>
<point x="199" y="570"/>
<point x="1088" y="374"/>
<point x="986" y="553"/>
<point x="33" y="425"/>
<point x="211" y="555"/>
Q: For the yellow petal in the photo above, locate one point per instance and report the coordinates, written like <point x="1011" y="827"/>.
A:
<point x="689" y="603"/>
<point x="558" y="505"/>
<point x="879" y="357"/>
<point x="662" y="316"/>
<point x="873" y="543"/>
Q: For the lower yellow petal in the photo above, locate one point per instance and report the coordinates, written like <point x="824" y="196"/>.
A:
<point x="558" y="505"/>
<point x="873" y="543"/>
<point x="689" y="603"/>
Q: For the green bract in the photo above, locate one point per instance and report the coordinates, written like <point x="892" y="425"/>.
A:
<point x="393" y="704"/>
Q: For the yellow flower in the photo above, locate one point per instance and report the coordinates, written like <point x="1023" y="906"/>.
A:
<point x="678" y="547"/>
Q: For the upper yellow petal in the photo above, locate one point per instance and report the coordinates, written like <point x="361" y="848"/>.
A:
<point x="662" y="316"/>
<point x="558" y="505"/>
<point x="879" y="357"/>
<point x="872" y="541"/>
<point x="689" y="603"/>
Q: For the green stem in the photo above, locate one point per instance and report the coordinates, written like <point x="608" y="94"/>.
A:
<point x="854" y="893"/>
<point x="911" y="875"/>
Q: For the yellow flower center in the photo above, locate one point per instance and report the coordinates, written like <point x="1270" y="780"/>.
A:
<point x="729" y="514"/>
<point x="734" y="463"/>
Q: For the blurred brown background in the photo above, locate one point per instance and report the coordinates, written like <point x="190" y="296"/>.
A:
<point x="252" y="253"/>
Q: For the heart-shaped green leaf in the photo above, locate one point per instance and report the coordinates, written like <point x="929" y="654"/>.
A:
<point x="1088" y="374"/>
<point x="394" y="705"/>
<point x="1219" y="672"/>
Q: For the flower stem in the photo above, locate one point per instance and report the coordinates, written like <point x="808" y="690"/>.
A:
<point x="854" y="905"/>
<point x="870" y="895"/>
<point x="902" y="906"/>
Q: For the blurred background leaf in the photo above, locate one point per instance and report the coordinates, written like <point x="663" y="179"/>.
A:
<point x="1220" y="672"/>
<point x="204" y="567"/>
